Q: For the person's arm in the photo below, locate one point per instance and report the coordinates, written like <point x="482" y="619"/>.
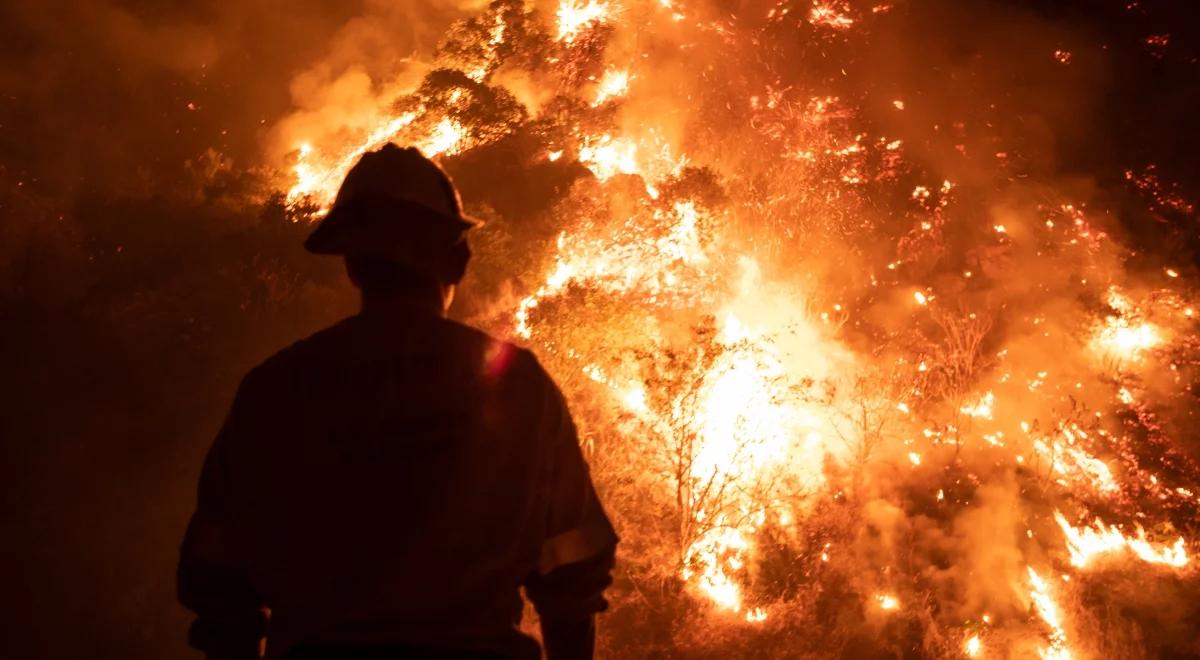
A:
<point x="212" y="582"/>
<point x="575" y="568"/>
<point x="567" y="600"/>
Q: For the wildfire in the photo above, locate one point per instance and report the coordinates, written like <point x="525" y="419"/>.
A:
<point x="694" y="293"/>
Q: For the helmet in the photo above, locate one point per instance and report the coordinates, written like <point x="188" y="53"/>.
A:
<point x="396" y="204"/>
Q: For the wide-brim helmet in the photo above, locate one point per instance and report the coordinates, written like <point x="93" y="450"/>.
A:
<point x="396" y="204"/>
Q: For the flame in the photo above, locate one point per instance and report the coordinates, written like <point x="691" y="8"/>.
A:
<point x="982" y="408"/>
<point x="715" y="557"/>
<point x="830" y="14"/>
<point x="744" y="423"/>
<point x="1086" y="543"/>
<point x="446" y="138"/>
<point x="615" y="83"/>
<point x="575" y="17"/>
<point x="606" y="156"/>
<point x="321" y="180"/>
<point x="627" y="266"/>
<point x="1050" y="614"/>
<point x="1125" y="336"/>
<point x="1073" y="463"/>
<point x="973" y="647"/>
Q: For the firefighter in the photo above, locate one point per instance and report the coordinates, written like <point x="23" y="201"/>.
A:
<point x="385" y="487"/>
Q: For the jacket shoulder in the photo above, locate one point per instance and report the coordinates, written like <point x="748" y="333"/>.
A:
<point x="501" y="358"/>
<point x="297" y="351"/>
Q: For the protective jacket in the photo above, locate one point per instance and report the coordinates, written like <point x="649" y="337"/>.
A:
<point x="395" y="480"/>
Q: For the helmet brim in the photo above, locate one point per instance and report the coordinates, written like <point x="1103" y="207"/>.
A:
<point x="385" y="227"/>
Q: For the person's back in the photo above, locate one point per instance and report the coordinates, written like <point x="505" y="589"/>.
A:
<point x="390" y="483"/>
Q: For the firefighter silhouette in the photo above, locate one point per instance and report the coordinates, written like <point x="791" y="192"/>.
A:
<point x="385" y="487"/>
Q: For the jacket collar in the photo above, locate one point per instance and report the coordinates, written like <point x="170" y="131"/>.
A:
<point x="402" y="306"/>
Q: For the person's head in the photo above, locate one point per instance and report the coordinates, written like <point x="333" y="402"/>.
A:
<point x="398" y="222"/>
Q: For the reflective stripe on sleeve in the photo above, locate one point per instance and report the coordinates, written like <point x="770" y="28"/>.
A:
<point x="583" y="542"/>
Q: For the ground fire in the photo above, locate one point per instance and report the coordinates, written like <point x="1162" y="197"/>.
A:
<point x="832" y="392"/>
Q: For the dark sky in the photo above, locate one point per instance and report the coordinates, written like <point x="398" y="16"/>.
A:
<point x="96" y="93"/>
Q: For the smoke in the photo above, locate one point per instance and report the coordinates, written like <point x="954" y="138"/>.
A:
<point x="109" y="96"/>
<point x="369" y="62"/>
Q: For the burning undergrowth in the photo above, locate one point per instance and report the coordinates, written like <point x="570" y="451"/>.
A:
<point x="858" y="369"/>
